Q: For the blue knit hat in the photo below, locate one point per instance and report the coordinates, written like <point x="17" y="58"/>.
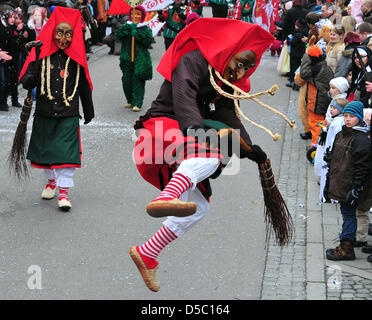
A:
<point x="355" y="108"/>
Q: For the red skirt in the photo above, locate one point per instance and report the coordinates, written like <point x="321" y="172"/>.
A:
<point x="161" y="147"/>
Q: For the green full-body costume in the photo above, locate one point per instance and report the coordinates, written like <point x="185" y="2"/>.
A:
<point x="135" y="74"/>
<point x="246" y="10"/>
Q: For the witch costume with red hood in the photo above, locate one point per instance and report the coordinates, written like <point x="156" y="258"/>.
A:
<point x="167" y="153"/>
<point x="61" y="76"/>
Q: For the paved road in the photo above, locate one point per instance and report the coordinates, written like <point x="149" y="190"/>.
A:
<point x="83" y="254"/>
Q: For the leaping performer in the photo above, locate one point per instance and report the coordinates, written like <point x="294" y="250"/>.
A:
<point x="60" y="72"/>
<point x="206" y="72"/>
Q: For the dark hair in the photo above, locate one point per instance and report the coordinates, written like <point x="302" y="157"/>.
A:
<point x="19" y="14"/>
<point x="365" y="27"/>
<point x="297" y="3"/>
<point x="312" y="17"/>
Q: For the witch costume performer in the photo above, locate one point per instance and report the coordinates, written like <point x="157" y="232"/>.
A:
<point x="59" y="71"/>
<point x="170" y="153"/>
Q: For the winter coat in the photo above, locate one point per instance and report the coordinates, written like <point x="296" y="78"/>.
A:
<point x="143" y="40"/>
<point x="334" y="54"/>
<point x="359" y="78"/>
<point x="345" y="61"/>
<point x="350" y="162"/>
<point x="367" y="17"/>
<point x="290" y="19"/>
<point x="317" y="97"/>
<point x="297" y="46"/>
<point x="320" y="166"/>
<point x="101" y="11"/>
<point x="356" y="11"/>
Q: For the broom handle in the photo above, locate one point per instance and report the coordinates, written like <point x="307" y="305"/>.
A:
<point x="243" y="144"/>
<point x="132" y="56"/>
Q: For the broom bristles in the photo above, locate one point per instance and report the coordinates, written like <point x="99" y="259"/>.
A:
<point x="277" y="216"/>
<point x="17" y="157"/>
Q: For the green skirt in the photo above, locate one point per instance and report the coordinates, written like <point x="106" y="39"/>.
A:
<point x="55" y="143"/>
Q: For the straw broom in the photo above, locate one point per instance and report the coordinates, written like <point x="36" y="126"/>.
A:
<point x="277" y="216"/>
<point x="17" y="157"/>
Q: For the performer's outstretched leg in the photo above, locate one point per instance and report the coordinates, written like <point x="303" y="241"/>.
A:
<point x="188" y="175"/>
<point x="173" y="228"/>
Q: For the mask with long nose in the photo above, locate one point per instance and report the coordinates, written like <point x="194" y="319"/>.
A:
<point x="63" y="35"/>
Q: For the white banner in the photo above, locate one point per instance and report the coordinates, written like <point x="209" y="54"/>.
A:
<point x="155" y="25"/>
<point x="156" y="5"/>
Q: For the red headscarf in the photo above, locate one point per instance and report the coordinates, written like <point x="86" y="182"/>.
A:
<point x="218" y="39"/>
<point x="76" y="50"/>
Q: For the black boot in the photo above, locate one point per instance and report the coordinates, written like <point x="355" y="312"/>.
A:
<point x="369" y="258"/>
<point x="306" y="135"/>
<point x="359" y="244"/>
<point x="343" y="252"/>
<point x="367" y="249"/>
<point x="16" y="104"/>
<point x="290" y="84"/>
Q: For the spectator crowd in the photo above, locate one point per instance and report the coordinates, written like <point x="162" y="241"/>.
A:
<point x="326" y="54"/>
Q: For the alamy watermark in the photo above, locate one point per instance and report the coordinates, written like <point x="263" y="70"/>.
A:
<point x="34" y="281"/>
<point x="161" y="146"/>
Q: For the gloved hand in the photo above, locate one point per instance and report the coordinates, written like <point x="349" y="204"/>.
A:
<point x="35" y="67"/>
<point x="257" y="154"/>
<point x="352" y="196"/>
<point x="133" y="32"/>
<point x="161" y="17"/>
<point x="322" y="138"/>
<point x="327" y="156"/>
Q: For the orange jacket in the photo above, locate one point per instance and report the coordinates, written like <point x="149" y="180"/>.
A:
<point x="101" y="12"/>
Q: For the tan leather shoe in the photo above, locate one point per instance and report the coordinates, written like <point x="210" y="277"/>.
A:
<point x="64" y="204"/>
<point x="175" y="207"/>
<point x="48" y="193"/>
<point x="136" y="109"/>
<point x="148" y="275"/>
<point x="127" y="105"/>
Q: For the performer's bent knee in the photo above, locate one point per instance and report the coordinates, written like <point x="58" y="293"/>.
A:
<point x="179" y="226"/>
<point x="198" y="169"/>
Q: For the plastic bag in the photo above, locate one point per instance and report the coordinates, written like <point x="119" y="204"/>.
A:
<point x="283" y="62"/>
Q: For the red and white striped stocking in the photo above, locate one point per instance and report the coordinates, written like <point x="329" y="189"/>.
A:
<point x="51" y="184"/>
<point x="151" y="249"/>
<point x="176" y="186"/>
<point x="63" y="193"/>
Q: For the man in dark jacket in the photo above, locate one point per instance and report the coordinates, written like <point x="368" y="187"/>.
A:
<point x="298" y="47"/>
<point x="364" y="30"/>
<point x="293" y="14"/>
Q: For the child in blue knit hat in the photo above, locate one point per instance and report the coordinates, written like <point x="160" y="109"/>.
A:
<point x="349" y="164"/>
<point x="335" y="125"/>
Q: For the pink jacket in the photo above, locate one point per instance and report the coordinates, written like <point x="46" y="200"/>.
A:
<point x="356" y="11"/>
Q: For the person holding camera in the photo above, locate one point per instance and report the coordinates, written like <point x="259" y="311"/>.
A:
<point x="361" y="72"/>
<point x="175" y="18"/>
